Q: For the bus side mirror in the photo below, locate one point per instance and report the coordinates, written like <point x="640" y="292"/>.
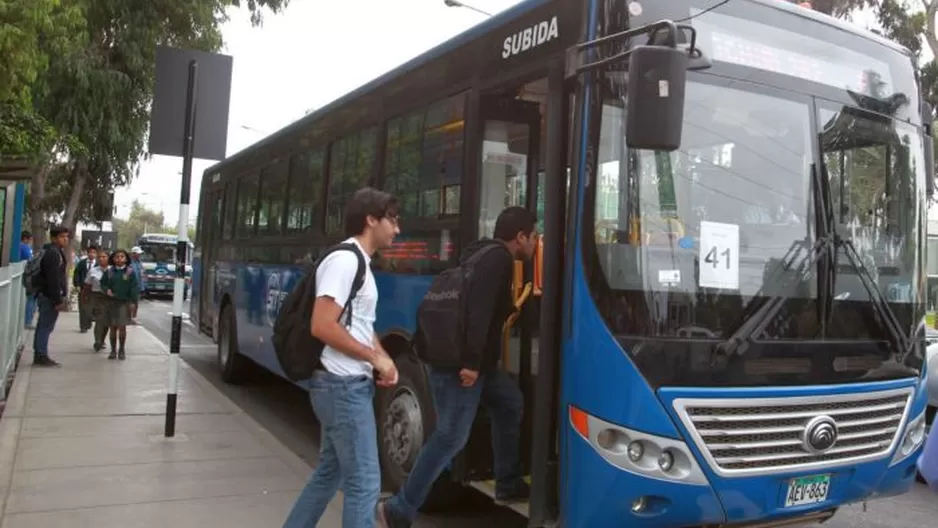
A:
<point x="657" y="80"/>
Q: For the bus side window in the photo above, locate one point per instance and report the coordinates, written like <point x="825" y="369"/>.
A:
<point x="306" y="179"/>
<point x="247" y="205"/>
<point x="350" y="163"/>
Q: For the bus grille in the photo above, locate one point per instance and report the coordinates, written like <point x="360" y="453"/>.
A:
<point x="741" y="437"/>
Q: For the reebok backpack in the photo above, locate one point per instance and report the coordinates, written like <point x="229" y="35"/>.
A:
<point x="32" y="275"/>
<point x="441" y="316"/>
<point x="298" y="352"/>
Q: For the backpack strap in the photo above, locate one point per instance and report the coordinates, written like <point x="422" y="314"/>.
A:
<point x="357" y="283"/>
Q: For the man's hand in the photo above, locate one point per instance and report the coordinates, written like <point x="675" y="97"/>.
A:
<point x="468" y="377"/>
<point x="388" y="380"/>
<point x="386" y="369"/>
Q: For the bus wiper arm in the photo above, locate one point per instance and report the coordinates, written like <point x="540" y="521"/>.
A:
<point x="900" y="339"/>
<point x="755" y="324"/>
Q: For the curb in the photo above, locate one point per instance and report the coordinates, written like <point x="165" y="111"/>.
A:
<point x="11" y="428"/>
<point x="296" y="464"/>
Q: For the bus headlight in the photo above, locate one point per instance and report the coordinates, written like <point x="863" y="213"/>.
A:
<point x="912" y="438"/>
<point x="666" y="461"/>
<point x="637" y="452"/>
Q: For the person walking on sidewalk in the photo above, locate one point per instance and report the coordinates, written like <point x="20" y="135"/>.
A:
<point x="459" y="384"/>
<point x="53" y="287"/>
<point x="98" y="302"/>
<point x="121" y="284"/>
<point x="342" y="394"/>
<point x="137" y="265"/>
<point x="78" y="281"/>
<point x="26" y="254"/>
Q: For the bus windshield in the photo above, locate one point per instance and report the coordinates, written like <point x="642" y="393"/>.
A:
<point x="158" y="253"/>
<point x="687" y="240"/>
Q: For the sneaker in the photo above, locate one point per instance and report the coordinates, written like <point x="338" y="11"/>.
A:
<point x="520" y="493"/>
<point x="385" y="518"/>
<point x="98" y="347"/>
<point x="45" y="361"/>
<point x="121" y="355"/>
<point x="112" y="355"/>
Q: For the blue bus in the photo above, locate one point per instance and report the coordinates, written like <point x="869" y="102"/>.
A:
<point x="723" y="325"/>
<point x="158" y="259"/>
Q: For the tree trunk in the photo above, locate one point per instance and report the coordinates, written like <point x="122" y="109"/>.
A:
<point x="79" y="179"/>
<point x="37" y="212"/>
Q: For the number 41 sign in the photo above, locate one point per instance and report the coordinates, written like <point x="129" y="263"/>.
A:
<point x="719" y="255"/>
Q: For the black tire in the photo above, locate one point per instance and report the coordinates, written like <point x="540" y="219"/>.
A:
<point x="405" y="420"/>
<point x="234" y="367"/>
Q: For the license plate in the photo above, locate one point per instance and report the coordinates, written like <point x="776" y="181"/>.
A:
<point x="807" y="490"/>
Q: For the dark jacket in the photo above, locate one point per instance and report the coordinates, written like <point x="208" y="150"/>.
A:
<point x="52" y="273"/>
<point x="124" y="284"/>
<point x="81" y="272"/>
<point x="489" y="305"/>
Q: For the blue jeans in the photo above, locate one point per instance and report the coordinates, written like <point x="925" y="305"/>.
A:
<point x="30" y="310"/>
<point x="456" y="408"/>
<point x="48" y="315"/>
<point x="348" y="453"/>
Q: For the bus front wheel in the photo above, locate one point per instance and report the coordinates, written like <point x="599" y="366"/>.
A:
<point x="405" y="420"/>
<point x="231" y="364"/>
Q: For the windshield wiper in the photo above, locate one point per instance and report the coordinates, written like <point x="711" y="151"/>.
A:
<point x="826" y="222"/>
<point x="819" y="253"/>
<point x="900" y="340"/>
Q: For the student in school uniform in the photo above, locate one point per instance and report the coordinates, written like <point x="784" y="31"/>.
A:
<point x="98" y="302"/>
<point x="122" y="286"/>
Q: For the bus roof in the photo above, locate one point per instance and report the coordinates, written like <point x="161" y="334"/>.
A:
<point x="490" y="25"/>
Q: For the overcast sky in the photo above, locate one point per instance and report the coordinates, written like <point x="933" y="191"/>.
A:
<point x="313" y="53"/>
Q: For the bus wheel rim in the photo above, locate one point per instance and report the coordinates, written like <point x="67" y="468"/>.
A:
<point x="403" y="428"/>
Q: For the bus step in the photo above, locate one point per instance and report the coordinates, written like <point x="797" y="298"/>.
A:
<point x="488" y="487"/>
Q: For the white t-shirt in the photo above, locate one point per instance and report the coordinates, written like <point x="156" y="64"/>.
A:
<point x="334" y="279"/>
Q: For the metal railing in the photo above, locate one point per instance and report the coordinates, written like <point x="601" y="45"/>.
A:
<point x="12" y="318"/>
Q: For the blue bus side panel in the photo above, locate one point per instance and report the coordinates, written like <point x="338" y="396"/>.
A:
<point x="258" y="291"/>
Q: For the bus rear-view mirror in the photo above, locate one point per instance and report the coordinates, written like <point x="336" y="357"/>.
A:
<point x="657" y="80"/>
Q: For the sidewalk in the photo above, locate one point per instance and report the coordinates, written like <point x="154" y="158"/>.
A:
<point x="83" y="446"/>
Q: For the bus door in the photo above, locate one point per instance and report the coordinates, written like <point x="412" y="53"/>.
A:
<point x="209" y="239"/>
<point x="508" y="173"/>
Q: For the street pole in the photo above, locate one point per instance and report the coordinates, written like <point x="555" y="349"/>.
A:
<point x="182" y="248"/>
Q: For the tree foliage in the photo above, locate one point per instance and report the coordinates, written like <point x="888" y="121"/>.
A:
<point x="83" y="76"/>
<point x="142" y="220"/>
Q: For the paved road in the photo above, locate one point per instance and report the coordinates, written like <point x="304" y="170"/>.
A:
<point x="284" y="410"/>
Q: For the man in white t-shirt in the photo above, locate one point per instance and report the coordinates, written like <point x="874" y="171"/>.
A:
<point x="342" y="394"/>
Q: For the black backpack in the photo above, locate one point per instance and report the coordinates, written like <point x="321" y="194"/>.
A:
<point x="32" y="275"/>
<point x="298" y="352"/>
<point x="440" y="336"/>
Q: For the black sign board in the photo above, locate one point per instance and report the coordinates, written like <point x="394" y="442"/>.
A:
<point x="106" y="240"/>
<point x="168" y="114"/>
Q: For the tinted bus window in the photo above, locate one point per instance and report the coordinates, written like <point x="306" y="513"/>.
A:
<point x="231" y="194"/>
<point x="272" y="197"/>
<point x="305" y="197"/>
<point x="402" y="161"/>
<point x="350" y="163"/>
<point x="247" y="205"/>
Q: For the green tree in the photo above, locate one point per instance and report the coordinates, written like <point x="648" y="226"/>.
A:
<point x="87" y="109"/>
